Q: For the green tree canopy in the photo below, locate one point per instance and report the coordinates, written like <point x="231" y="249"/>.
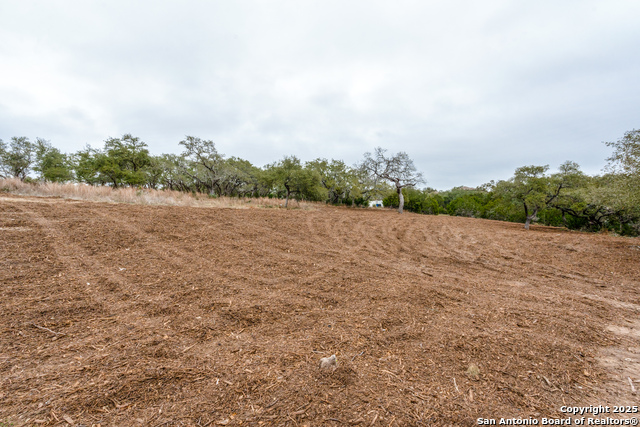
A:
<point x="625" y="164"/>
<point x="51" y="164"/>
<point x="16" y="159"/>
<point x="339" y="180"/>
<point x="529" y="187"/>
<point x="289" y="175"/>
<point x="204" y="163"/>
<point x="124" y="160"/>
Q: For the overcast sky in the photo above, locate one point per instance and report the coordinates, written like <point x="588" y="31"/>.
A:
<point x="469" y="89"/>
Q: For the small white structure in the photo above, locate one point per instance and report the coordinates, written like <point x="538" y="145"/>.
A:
<point x="375" y="204"/>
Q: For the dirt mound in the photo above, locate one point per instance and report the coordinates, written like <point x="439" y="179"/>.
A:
<point x="148" y="315"/>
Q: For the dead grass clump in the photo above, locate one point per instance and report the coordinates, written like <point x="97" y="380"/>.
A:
<point x="12" y="185"/>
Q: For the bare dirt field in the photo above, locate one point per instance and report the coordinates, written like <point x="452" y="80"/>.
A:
<point x="126" y="315"/>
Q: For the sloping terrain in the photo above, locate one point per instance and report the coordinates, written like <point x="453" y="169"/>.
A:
<point x="124" y="315"/>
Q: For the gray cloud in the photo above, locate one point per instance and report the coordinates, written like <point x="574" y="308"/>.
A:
<point x="471" y="90"/>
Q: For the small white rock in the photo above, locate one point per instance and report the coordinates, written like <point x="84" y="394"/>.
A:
<point x="329" y="363"/>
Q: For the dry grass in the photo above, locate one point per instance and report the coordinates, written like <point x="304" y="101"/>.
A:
<point x="142" y="196"/>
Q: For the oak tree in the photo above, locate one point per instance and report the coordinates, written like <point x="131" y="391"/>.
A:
<point x="398" y="169"/>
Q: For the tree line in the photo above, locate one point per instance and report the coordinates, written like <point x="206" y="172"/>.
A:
<point x="200" y="168"/>
<point x="568" y="197"/>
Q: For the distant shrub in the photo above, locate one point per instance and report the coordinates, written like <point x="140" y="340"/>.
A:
<point x="418" y="201"/>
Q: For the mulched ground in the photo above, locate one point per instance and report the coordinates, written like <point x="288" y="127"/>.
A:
<point x="125" y="315"/>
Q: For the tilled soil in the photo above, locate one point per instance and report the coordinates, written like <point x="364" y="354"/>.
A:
<point x="125" y="315"/>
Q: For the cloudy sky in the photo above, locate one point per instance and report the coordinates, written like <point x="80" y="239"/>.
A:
<point x="469" y="89"/>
